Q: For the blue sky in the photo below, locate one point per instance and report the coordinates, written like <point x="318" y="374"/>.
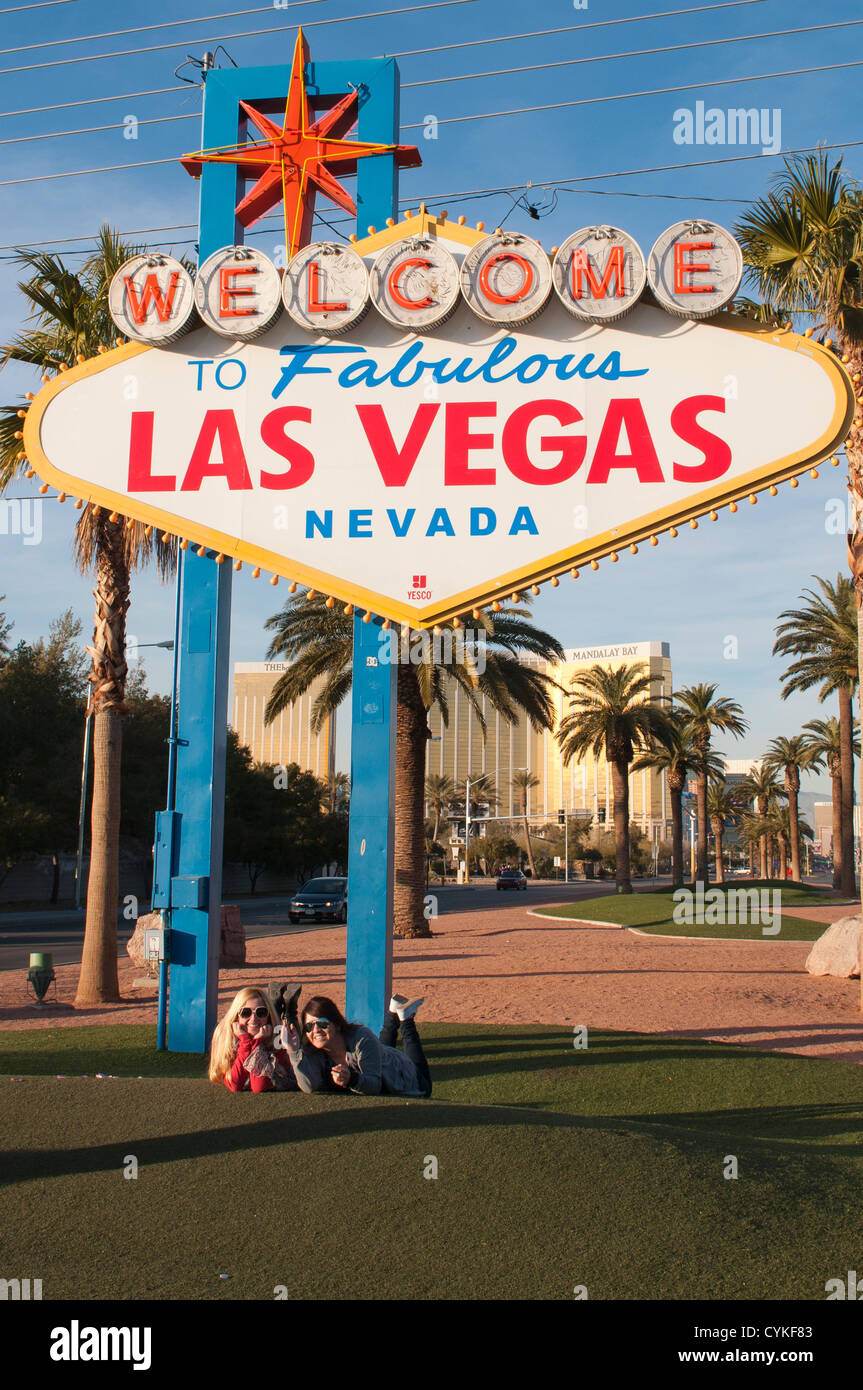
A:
<point x="728" y="579"/>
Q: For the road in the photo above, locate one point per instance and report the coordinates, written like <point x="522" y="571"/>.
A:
<point x="62" y="931"/>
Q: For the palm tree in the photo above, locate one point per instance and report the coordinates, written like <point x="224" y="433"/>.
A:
<point x="823" y="741"/>
<point x="822" y="634"/>
<point x="69" y="314"/>
<point x="524" y="782"/>
<point x="762" y="787"/>
<point x="336" y="789"/>
<point x="612" y="714"/>
<point x="318" y="641"/>
<point x="702" y="712"/>
<point x="790" y="756"/>
<point x="5" y="631"/>
<point x="677" y="759"/>
<point x="722" y="805"/>
<point x="439" y="793"/>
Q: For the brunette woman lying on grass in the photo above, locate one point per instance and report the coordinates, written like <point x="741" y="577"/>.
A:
<point x="332" y="1054"/>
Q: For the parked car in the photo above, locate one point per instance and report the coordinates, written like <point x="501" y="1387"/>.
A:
<point x="511" y="878"/>
<point x="321" y="899"/>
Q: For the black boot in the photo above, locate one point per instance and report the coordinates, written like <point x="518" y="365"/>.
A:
<point x="283" y="998"/>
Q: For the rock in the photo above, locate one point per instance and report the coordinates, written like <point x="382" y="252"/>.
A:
<point x="837" y="952"/>
<point x="135" y="944"/>
<point x="233" y="950"/>
<point x="233" y="940"/>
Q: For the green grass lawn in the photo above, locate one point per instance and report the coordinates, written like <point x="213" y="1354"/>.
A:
<point x="556" y="1167"/>
<point x="652" y="912"/>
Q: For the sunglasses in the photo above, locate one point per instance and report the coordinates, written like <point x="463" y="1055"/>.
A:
<point x="321" y="1023"/>
<point x="261" y="1012"/>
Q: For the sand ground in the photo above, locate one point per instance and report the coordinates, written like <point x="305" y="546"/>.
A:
<point x="508" y="966"/>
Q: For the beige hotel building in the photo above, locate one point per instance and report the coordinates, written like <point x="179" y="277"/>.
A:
<point x="290" y="738"/>
<point x="585" y="787"/>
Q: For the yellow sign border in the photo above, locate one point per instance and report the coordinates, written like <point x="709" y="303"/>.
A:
<point x="500" y="586"/>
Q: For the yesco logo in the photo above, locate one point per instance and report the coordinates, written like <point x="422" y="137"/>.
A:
<point x="76" y="1343"/>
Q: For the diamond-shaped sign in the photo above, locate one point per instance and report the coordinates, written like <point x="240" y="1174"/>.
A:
<point x="420" y="476"/>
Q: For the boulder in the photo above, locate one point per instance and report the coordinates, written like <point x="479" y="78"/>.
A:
<point x="233" y="950"/>
<point x="837" y="952"/>
<point x="233" y="941"/>
<point x="135" y="944"/>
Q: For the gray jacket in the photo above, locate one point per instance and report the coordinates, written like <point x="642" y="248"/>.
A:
<point x="379" y="1069"/>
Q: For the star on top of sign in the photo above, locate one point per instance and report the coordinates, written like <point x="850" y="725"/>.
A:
<point x="291" y="163"/>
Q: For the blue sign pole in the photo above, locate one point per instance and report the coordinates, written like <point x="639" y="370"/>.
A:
<point x="188" y="876"/>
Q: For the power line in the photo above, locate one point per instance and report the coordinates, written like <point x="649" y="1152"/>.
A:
<point x="469" y="77"/>
<point x="568" y="28"/>
<point x="634" y="53"/>
<point x="43" y="5"/>
<point x="626" y="96"/>
<point x="472" y="194"/>
<point x="477" y="116"/>
<point x="472" y="43"/>
<point x="224" y="38"/>
<point x="144" y="28"/>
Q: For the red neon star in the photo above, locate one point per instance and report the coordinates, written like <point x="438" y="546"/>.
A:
<point x="290" y="164"/>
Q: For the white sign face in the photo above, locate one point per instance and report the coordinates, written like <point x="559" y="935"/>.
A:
<point x="415" y="284"/>
<point x="152" y="299"/>
<point x="599" y="274"/>
<point x="506" y="278"/>
<point x="695" y="269"/>
<point x="419" y="477"/>
<point x="326" y="288"/>
<point x="238" y="292"/>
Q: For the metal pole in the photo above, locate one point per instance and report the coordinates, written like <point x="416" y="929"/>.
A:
<point x="566" y="845"/>
<point x="162" y="1015"/>
<point x="88" y="726"/>
<point x="467" y="831"/>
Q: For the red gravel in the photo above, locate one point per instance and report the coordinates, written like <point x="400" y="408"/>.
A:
<point x="511" y="967"/>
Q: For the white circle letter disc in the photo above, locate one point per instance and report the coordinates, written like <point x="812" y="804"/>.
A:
<point x="695" y="269"/>
<point x="415" y="284"/>
<point x="599" y="274"/>
<point x="238" y="292"/>
<point x="326" y="288"/>
<point x="506" y="278"/>
<point x="152" y="299"/>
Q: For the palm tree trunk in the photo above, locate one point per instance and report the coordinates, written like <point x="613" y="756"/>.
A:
<point x="620" y="789"/>
<point x="717" y="836"/>
<point x="836" y="789"/>
<point x="701" y="873"/>
<point x="848" y="883"/>
<point x="676" y="838"/>
<point x="409" y="837"/>
<point x="794" y="822"/>
<point x="98" y="982"/>
<point x="783" y="858"/>
<point x="762" y="844"/>
<point x="527" y="838"/>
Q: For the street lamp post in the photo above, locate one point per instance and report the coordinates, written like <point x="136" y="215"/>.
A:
<point x="468" y="785"/>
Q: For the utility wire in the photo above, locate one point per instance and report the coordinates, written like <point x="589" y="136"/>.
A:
<point x="43" y="5"/>
<point x="626" y="96"/>
<point x="472" y="194"/>
<point x="568" y="28"/>
<point x="634" y="53"/>
<point x="472" y="43"/>
<point x="224" y="38"/>
<point x="472" y="76"/>
<point x="144" y="28"/>
<point x="477" y="116"/>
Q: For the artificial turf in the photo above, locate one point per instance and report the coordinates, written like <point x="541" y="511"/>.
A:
<point x="557" y="1166"/>
<point x="653" y="912"/>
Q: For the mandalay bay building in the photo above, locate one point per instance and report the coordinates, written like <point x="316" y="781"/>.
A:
<point x="583" y="788"/>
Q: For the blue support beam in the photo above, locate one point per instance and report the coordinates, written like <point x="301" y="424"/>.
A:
<point x="204" y="672"/>
<point x="368" y="982"/>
